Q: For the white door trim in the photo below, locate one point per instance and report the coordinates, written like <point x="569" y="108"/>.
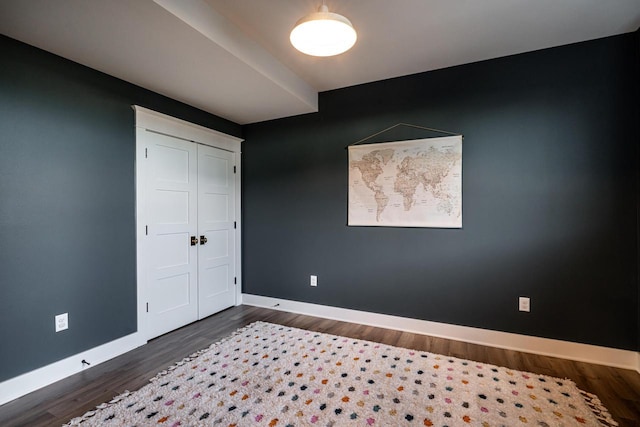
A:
<point x="149" y="120"/>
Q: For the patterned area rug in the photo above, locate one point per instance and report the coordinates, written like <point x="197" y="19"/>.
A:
<point x="272" y="375"/>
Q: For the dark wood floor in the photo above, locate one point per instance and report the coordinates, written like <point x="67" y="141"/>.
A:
<point x="619" y="389"/>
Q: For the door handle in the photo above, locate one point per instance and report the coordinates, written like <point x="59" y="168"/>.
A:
<point x="194" y="240"/>
<point x="203" y="240"/>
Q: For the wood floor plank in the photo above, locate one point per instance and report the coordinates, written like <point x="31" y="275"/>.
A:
<point x="618" y="389"/>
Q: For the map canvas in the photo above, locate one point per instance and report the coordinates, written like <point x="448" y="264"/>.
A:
<point x="416" y="183"/>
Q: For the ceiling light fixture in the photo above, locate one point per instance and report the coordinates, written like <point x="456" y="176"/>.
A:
<point x="323" y="33"/>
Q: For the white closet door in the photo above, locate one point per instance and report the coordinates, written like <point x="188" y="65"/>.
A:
<point x="172" y="221"/>
<point x="216" y="253"/>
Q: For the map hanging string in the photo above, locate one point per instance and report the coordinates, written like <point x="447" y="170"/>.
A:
<point x="408" y="125"/>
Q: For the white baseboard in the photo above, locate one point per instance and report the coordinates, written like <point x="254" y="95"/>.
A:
<point x="548" y="347"/>
<point x="26" y="383"/>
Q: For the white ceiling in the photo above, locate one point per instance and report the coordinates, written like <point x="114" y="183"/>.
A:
<point x="233" y="57"/>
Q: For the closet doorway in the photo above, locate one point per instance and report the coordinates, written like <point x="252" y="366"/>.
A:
<point x="188" y="193"/>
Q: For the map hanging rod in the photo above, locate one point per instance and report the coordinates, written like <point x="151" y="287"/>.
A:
<point x="408" y="125"/>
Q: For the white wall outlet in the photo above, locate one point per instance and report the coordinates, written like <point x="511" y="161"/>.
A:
<point x="313" y="281"/>
<point x="62" y="322"/>
<point x="524" y="304"/>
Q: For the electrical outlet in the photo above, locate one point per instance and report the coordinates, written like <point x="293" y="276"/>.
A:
<point x="314" y="280"/>
<point x="62" y="322"/>
<point x="524" y="304"/>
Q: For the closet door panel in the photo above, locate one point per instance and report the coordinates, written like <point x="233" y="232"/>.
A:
<point x="216" y="256"/>
<point x="172" y="214"/>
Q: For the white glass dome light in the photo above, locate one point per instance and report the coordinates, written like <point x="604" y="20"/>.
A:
<point x="323" y="33"/>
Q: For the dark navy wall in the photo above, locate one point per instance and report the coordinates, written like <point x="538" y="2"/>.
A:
<point x="67" y="204"/>
<point x="550" y="193"/>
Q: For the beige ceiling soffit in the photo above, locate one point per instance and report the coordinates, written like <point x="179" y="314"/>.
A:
<point x="208" y="22"/>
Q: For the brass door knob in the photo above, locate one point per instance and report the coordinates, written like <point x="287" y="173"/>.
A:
<point x="194" y="240"/>
<point x="203" y="240"/>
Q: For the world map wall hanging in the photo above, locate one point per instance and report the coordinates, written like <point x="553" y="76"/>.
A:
<point x="415" y="183"/>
